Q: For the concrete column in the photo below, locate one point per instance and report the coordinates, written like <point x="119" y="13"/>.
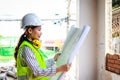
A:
<point x="101" y="34"/>
<point x="88" y="52"/>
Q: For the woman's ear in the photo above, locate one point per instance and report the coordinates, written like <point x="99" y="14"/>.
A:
<point x="30" y="30"/>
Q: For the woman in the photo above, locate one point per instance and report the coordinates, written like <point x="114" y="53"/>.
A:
<point x="29" y="61"/>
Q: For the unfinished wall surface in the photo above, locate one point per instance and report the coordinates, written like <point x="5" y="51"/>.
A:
<point x="113" y="63"/>
<point x="112" y="71"/>
<point x="92" y="55"/>
<point x="108" y="65"/>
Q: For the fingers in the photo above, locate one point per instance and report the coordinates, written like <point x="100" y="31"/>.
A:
<point x="56" y="56"/>
<point x="63" y="68"/>
<point x="68" y="67"/>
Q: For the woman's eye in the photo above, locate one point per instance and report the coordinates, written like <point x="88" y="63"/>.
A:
<point x="39" y="29"/>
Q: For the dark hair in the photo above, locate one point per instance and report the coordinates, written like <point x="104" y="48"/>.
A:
<point x="22" y="38"/>
<point x="30" y="26"/>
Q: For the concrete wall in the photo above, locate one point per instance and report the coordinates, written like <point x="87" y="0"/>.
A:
<point x="104" y="39"/>
<point x="101" y="40"/>
<point x="88" y="51"/>
<point x="91" y="58"/>
<point x="109" y="75"/>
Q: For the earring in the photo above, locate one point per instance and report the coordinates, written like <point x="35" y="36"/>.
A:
<point x="24" y="35"/>
<point x="36" y="43"/>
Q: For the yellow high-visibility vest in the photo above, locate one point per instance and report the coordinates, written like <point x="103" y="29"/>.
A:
<point x="25" y="71"/>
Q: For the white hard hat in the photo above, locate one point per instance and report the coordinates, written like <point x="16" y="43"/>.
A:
<point x="30" y="19"/>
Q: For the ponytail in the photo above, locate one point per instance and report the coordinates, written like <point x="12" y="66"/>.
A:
<point x="22" y="38"/>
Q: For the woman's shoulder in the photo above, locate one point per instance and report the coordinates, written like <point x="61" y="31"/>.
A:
<point x="25" y="49"/>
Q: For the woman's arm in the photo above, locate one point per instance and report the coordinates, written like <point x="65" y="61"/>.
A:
<point x="50" y="62"/>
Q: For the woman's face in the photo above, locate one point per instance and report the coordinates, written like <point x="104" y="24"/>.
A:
<point x="35" y="33"/>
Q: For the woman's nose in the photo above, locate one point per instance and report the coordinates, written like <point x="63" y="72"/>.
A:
<point x="40" y="33"/>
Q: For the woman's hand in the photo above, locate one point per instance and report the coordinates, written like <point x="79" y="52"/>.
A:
<point x="63" y="68"/>
<point x="56" y="56"/>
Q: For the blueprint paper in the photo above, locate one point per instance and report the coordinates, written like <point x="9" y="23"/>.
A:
<point x="69" y="36"/>
<point x="73" y="42"/>
<point x="79" y="43"/>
